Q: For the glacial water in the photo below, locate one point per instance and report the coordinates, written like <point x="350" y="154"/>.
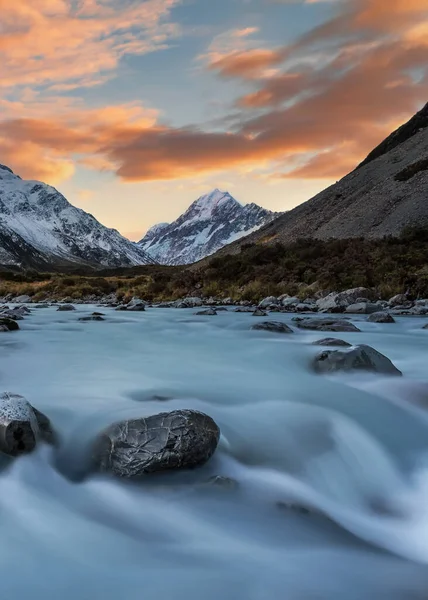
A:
<point x="351" y="449"/>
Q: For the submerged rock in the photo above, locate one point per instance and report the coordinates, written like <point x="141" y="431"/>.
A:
<point x="21" y="425"/>
<point x="274" y="326"/>
<point x="358" y="358"/>
<point x="326" y="325"/>
<point x="226" y="483"/>
<point x="259" y="313"/>
<point x="362" y="308"/>
<point x="181" y="439"/>
<point x="66" y="308"/>
<point x="381" y="317"/>
<point x="92" y="318"/>
<point x="8" y="324"/>
<point x="209" y="312"/>
<point x="331" y="342"/>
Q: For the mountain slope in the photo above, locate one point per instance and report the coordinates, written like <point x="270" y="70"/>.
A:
<point x="40" y="228"/>
<point x="208" y="224"/>
<point x="385" y="193"/>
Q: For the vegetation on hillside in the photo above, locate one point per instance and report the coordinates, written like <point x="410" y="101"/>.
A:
<point x="391" y="265"/>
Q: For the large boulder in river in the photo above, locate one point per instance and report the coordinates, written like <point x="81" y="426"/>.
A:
<point x="269" y="301"/>
<point x="8" y="324"/>
<point x="357" y="358"/>
<point x="330" y="324"/>
<point x="66" y="308"/>
<point x="381" y="317"/>
<point x="21" y="425"/>
<point x="273" y="326"/>
<point x="181" y="439"/>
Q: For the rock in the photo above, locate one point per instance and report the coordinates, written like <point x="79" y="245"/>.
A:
<point x="209" y="312"/>
<point x="274" y="326"/>
<point x="21" y="425"/>
<point x="289" y="302"/>
<point x="244" y="309"/>
<point x="362" y="308"/>
<point x="326" y="325"/>
<point x="136" y="305"/>
<point x="24" y="299"/>
<point x="268" y="301"/>
<point x="381" y="317"/>
<point x="221" y="309"/>
<point x="338" y="302"/>
<point x="331" y="342"/>
<point x="3" y="328"/>
<point x="398" y="300"/>
<point x="42" y="305"/>
<point x="12" y="314"/>
<point x="191" y="302"/>
<point x="259" y="313"/>
<point x="121" y="307"/>
<point x="65" y="308"/>
<point x="425" y="326"/>
<point x="181" y="439"/>
<point x="226" y="483"/>
<point x="9" y="324"/>
<point x="360" y="357"/>
<point x="98" y="314"/>
<point x="92" y="318"/>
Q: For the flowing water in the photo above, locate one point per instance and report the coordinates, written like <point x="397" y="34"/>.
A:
<point x="351" y="449"/>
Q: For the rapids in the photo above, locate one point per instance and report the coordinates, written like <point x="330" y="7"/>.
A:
<point x="353" y="449"/>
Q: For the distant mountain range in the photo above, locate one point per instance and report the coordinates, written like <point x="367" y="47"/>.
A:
<point x="385" y="193"/>
<point x="211" y="222"/>
<point x="39" y="228"/>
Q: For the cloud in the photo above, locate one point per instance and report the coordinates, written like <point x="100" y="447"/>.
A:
<point x="69" y="44"/>
<point x="342" y="87"/>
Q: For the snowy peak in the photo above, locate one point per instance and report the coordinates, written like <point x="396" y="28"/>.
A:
<point x="212" y="221"/>
<point x="40" y="228"/>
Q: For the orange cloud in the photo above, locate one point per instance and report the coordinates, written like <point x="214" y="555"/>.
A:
<point x="319" y="116"/>
<point x="70" y="45"/>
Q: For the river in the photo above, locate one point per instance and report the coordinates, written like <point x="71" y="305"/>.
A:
<point x="351" y="449"/>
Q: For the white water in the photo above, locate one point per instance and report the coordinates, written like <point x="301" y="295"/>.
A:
<point x="353" y="448"/>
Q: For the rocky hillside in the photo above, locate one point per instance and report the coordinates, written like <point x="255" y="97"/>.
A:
<point x="384" y="194"/>
<point x="39" y="228"/>
<point x="208" y="224"/>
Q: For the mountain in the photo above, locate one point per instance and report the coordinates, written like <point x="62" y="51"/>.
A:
<point x="384" y="194"/>
<point x="39" y="228"/>
<point x="208" y="224"/>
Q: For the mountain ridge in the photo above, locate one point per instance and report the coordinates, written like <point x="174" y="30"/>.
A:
<point x="211" y="221"/>
<point x="39" y="228"/>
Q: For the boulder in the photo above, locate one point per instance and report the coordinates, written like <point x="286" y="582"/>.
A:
<point x="268" y="301"/>
<point x="362" y="308"/>
<point x="331" y="342"/>
<point x="21" y="425"/>
<point x="42" y="305"/>
<point x="244" y="309"/>
<point x="24" y="299"/>
<point x="9" y="324"/>
<point x="211" y="312"/>
<point x="381" y="317"/>
<point x="358" y="358"/>
<point x="338" y="302"/>
<point x="12" y="314"/>
<point x="191" y="302"/>
<point x="326" y="325"/>
<point x="289" y="302"/>
<point x="136" y="307"/>
<point x="425" y="326"/>
<point x="3" y="328"/>
<point x="273" y="326"/>
<point x="398" y="300"/>
<point x="181" y="439"/>
<point x="259" y="313"/>
<point x="65" y="308"/>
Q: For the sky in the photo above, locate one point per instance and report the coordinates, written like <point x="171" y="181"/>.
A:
<point x="134" y="108"/>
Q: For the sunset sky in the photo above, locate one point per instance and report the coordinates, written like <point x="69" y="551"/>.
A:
<point x="134" y="108"/>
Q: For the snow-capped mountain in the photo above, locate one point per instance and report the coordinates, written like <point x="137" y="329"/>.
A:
<point x="40" y="228"/>
<point x="208" y="224"/>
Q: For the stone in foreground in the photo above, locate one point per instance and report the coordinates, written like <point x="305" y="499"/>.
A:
<point x="274" y="326"/>
<point x="21" y="425"/>
<point x="326" y="325"/>
<point x="381" y="317"/>
<point x="181" y="439"/>
<point x="331" y="342"/>
<point x="358" y="358"/>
